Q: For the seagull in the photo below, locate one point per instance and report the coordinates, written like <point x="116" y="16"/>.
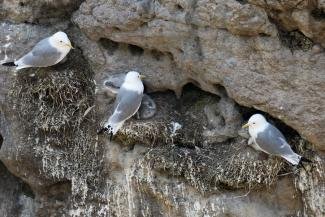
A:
<point x="127" y="103"/>
<point x="267" y="138"/>
<point x="47" y="52"/>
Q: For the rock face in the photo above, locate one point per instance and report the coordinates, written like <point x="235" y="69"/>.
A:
<point x="209" y="66"/>
<point x="205" y="40"/>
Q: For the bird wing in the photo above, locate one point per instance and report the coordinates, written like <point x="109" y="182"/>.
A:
<point x="42" y="54"/>
<point x="272" y="141"/>
<point x="126" y="105"/>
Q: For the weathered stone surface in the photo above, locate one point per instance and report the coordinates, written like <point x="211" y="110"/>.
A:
<point x="170" y="196"/>
<point x="37" y="11"/>
<point x="258" y="72"/>
<point x="311" y="184"/>
<point x="307" y="16"/>
<point x="191" y="157"/>
<point x="16" y="198"/>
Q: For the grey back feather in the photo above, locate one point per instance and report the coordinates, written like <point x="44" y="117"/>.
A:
<point x="126" y="105"/>
<point x="272" y="141"/>
<point x="43" y="54"/>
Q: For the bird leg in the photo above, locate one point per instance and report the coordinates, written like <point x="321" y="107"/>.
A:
<point x="111" y="136"/>
<point x="306" y="160"/>
<point x="250" y="141"/>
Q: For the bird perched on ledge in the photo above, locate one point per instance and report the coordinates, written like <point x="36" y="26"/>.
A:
<point x="47" y="52"/>
<point x="267" y="138"/>
<point x="127" y="103"/>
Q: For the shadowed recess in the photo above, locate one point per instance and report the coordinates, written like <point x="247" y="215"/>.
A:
<point x="1" y="141"/>
<point x="135" y="50"/>
<point x="109" y="45"/>
<point x="295" y="40"/>
<point x="318" y="14"/>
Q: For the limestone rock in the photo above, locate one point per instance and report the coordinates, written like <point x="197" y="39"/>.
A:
<point x="16" y="199"/>
<point x="259" y="72"/>
<point x="31" y="11"/>
<point x="191" y="158"/>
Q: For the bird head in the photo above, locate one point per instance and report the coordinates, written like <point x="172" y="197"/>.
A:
<point x="61" y="40"/>
<point x="133" y="76"/>
<point x="255" y="121"/>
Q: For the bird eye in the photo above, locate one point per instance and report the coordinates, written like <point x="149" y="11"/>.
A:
<point x="253" y="122"/>
<point x="61" y="41"/>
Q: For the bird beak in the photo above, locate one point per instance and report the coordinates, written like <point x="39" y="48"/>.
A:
<point x="69" y="45"/>
<point x="142" y="77"/>
<point x="245" y="125"/>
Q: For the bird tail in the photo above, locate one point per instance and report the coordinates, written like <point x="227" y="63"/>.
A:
<point x="115" y="127"/>
<point x="293" y="158"/>
<point x="306" y="160"/>
<point x="111" y="129"/>
<point x="10" y="64"/>
<point x="108" y="130"/>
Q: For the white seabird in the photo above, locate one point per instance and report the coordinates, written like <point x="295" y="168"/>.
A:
<point x="47" y="52"/>
<point x="127" y="102"/>
<point x="267" y="138"/>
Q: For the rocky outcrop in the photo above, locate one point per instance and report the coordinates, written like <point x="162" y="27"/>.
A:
<point x="204" y="40"/>
<point x="209" y="66"/>
<point x="30" y="11"/>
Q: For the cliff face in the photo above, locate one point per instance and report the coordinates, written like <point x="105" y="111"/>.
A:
<point x="209" y="64"/>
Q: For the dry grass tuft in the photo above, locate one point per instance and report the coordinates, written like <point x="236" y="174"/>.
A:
<point x="53" y="109"/>
<point x="227" y="166"/>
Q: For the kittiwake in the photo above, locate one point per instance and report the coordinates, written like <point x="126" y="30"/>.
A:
<point x="127" y="103"/>
<point x="267" y="138"/>
<point x="47" y="52"/>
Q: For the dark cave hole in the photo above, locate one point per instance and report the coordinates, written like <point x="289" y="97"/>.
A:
<point x="243" y="2"/>
<point x="27" y="191"/>
<point x="263" y="34"/>
<point x="21" y="4"/>
<point x="193" y="84"/>
<point x="246" y="112"/>
<point x="170" y="56"/>
<point x="156" y="54"/>
<point x="179" y="7"/>
<point x="116" y="29"/>
<point x="318" y="14"/>
<point x="135" y="50"/>
<point x="286" y="130"/>
<point x="294" y="40"/>
<point x="221" y="90"/>
<point x="109" y="45"/>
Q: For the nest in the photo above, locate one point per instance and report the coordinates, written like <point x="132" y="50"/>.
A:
<point x="53" y="100"/>
<point x="54" y="106"/>
<point x="225" y="166"/>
